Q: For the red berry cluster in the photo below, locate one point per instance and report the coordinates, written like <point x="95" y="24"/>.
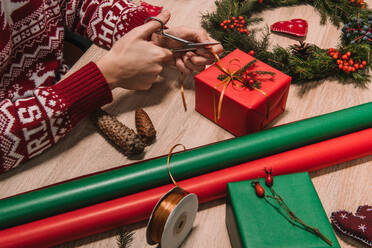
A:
<point x="359" y="3"/>
<point x="249" y="77"/>
<point x="235" y="24"/>
<point x="269" y="181"/>
<point x="345" y="62"/>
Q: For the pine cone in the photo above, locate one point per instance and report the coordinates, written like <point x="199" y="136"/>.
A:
<point x="119" y="134"/>
<point x="145" y="128"/>
<point x="301" y="50"/>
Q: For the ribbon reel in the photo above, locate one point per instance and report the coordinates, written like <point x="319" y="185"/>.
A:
<point x="173" y="216"/>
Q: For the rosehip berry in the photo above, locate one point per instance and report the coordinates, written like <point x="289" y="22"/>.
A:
<point x="260" y="192"/>
<point x="241" y="17"/>
<point x="348" y="53"/>
<point x="228" y="21"/>
<point x="233" y="18"/>
<point x="231" y="26"/>
<point x="251" y="81"/>
<point x="222" y="24"/>
<point x="251" y="52"/>
<point x="254" y="74"/>
<point x="340" y="66"/>
<point x="364" y="62"/>
<point x="269" y="178"/>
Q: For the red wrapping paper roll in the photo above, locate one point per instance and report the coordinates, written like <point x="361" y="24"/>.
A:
<point x="137" y="207"/>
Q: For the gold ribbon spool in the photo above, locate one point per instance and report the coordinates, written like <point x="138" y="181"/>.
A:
<point x="173" y="216"/>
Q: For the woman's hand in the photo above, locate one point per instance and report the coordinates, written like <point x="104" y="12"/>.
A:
<point x="189" y="61"/>
<point x="134" y="62"/>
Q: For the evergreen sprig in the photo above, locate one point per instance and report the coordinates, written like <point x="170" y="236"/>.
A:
<point x="318" y="65"/>
<point x="125" y="238"/>
<point x="248" y="78"/>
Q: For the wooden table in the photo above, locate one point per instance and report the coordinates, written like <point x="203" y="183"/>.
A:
<point x="83" y="151"/>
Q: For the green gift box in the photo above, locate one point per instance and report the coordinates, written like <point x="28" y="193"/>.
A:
<point x="255" y="222"/>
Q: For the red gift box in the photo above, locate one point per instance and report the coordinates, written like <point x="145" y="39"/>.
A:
<point x="243" y="110"/>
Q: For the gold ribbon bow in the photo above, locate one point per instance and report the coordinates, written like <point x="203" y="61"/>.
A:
<point x="226" y="82"/>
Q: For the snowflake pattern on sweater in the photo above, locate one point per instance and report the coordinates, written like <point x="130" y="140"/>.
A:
<point x="35" y="112"/>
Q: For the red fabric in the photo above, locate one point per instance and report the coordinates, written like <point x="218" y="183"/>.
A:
<point x="244" y="111"/>
<point x="34" y="111"/>
<point x="358" y="225"/>
<point x="295" y="27"/>
<point x="137" y="207"/>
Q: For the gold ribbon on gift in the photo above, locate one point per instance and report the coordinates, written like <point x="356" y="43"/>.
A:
<point x="230" y="79"/>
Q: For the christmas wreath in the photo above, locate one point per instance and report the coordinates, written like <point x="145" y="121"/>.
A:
<point x="232" y="22"/>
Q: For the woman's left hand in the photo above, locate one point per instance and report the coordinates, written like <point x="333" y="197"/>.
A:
<point x="190" y="61"/>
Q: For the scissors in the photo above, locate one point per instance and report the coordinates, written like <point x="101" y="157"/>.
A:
<point x="188" y="45"/>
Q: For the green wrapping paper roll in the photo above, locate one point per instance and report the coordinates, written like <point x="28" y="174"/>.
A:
<point x="153" y="173"/>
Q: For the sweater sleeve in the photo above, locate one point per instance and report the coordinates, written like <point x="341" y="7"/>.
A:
<point x="28" y="126"/>
<point x="105" y="21"/>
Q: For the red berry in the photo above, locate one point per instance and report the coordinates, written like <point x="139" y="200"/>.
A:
<point x="225" y="21"/>
<point x="348" y="54"/>
<point x="251" y="81"/>
<point x="269" y="178"/>
<point x="335" y="56"/>
<point x="222" y="24"/>
<point x="254" y="74"/>
<point x="364" y="62"/>
<point x="361" y="66"/>
<point x="352" y="69"/>
<point x="251" y="52"/>
<point x="340" y="66"/>
<point x="351" y="61"/>
<point x="228" y="21"/>
<point x="225" y="27"/>
<point x="233" y="18"/>
<point x="241" y="17"/>
<point x="260" y="192"/>
<point x="231" y="26"/>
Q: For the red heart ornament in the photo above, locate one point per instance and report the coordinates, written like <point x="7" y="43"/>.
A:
<point x="295" y="27"/>
<point x="358" y="225"/>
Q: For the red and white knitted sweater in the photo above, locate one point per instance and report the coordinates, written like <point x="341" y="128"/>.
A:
<point x="35" y="112"/>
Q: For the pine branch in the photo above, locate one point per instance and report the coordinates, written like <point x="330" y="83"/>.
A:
<point x="317" y="65"/>
<point x="125" y="238"/>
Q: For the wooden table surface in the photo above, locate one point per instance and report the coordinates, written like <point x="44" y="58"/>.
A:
<point x="83" y="151"/>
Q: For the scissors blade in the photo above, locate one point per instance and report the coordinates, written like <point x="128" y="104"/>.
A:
<point x="194" y="46"/>
<point x="202" y="44"/>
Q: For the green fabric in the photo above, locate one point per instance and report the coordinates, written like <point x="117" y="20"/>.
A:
<point x="153" y="173"/>
<point x="254" y="222"/>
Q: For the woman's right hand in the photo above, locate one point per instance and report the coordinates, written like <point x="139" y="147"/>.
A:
<point x="134" y="62"/>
